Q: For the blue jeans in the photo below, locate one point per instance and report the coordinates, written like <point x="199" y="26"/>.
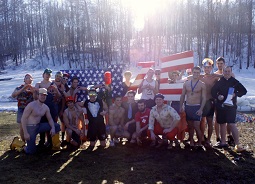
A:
<point x="33" y="130"/>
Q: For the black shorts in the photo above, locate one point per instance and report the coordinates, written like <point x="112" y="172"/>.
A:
<point x="225" y="114"/>
<point x="96" y="130"/>
<point x="132" y="128"/>
<point x="208" y="110"/>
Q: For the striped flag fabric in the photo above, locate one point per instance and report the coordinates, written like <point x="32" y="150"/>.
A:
<point x="179" y="61"/>
<point x="143" y="69"/>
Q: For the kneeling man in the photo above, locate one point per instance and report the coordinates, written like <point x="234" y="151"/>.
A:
<point x="167" y="119"/>
<point x="31" y="125"/>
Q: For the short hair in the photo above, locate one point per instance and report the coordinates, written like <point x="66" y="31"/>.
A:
<point x="141" y="101"/>
<point x="220" y="59"/>
<point x="228" y="67"/>
<point x="131" y="92"/>
<point x="127" y="73"/>
<point x="118" y="96"/>
<point x="74" y="78"/>
<point x="196" y="68"/>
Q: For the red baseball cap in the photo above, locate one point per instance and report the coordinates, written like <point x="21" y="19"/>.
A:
<point x="69" y="98"/>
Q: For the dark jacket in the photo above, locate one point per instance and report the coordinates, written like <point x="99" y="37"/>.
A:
<point x="221" y="88"/>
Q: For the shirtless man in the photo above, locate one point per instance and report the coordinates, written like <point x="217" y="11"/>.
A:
<point x="220" y="63"/>
<point x="148" y="88"/>
<point x="30" y="121"/>
<point x="75" y="88"/>
<point x="195" y="92"/>
<point x="73" y="119"/>
<point x="208" y="111"/>
<point x="116" y="120"/>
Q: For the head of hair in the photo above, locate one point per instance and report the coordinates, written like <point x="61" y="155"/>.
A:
<point x="118" y="96"/>
<point x="74" y="78"/>
<point x="127" y="73"/>
<point x="228" y="67"/>
<point x="196" y="68"/>
<point x="131" y="92"/>
<point x="220" y="59"/>
<point x="141" y="101"/>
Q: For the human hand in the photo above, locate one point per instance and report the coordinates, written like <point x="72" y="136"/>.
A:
<point x="26" y="136"/>
<point x="199" y="112"/>
<point x="52" y="131"/>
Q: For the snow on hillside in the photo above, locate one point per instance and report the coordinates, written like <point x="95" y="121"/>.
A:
<point x="246" y="77"/>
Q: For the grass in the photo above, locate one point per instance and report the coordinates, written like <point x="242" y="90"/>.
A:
<point x="125" y="163"/>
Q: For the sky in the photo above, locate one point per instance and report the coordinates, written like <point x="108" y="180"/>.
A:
<point x="246" y="77"/>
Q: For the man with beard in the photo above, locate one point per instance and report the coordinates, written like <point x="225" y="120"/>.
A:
<point x="195" y="92"/>
<point x="226" y="91"/>
<point x="31" y="125"/>
<point x="142" y="122"/>
<point x="96" y="110"/>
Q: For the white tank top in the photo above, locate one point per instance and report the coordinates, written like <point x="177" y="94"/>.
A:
<point x="148" y="93"/>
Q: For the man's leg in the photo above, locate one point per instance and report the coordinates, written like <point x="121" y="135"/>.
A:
<point x="223" y="128"/>
<point x="210" y="129"/>
<point x="234" y="130"/>
<point x="202" y="127"/>
<point x="33" y="131"/>
<point x="191" y="132"/>
<point x="198" y="132"/>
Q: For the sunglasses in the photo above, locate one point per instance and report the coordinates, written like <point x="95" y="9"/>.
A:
<point x="157" y="73"/>
<point x="65" y="78"/>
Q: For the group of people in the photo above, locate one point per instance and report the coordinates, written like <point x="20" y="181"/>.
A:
<point x="100" y="117"/>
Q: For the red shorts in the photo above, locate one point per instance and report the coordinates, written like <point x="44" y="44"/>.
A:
<point x="158" y="130"/>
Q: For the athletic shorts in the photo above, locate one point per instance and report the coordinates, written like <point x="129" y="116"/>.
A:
<point x="191" y="112"/>
<point x="96" y="130"/>
<point x="225" y="114"/>
<point x="208" y="110"/>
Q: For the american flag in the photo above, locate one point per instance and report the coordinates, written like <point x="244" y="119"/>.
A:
<point x="180" y="61"/>
<point x="96" y="76"/>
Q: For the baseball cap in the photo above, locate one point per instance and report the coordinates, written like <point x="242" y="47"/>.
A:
<point x="69" y="98"/>
<point x="159" y="95"/>
<point x="28" y="74"/>
<point x="207" y="62"/>
<point x="43" y="91"/>
<point x="48" y="71"/>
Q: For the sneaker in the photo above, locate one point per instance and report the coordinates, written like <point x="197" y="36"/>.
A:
<point x="112" y="144"/>
<point x="239" y="148"/>
<point x="221" y="145"/>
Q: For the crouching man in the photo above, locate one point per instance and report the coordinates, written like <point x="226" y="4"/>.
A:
<point x="166" y="121"/>
<point x="74" y="122"/>
<point x="31" y="125"/>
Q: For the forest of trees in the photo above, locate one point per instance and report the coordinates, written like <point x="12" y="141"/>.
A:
<point x="87" y="33"/>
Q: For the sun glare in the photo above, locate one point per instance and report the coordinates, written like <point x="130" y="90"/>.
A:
<point x="143" y="9"/>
